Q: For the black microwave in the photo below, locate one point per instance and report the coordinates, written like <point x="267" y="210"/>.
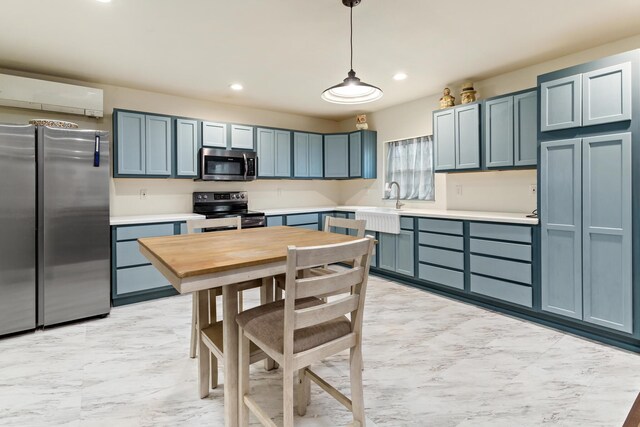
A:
<point x="227" y="165"/>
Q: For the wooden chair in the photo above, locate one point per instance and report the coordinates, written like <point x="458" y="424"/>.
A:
<point x="329" y="223"/>
<point x="302" y="329"/>
<point x="213" y="334"/>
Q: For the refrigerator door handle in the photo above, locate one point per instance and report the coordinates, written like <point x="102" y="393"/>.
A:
<point x="96" y="153"/>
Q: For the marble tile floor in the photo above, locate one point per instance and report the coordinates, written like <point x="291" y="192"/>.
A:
<point x="429" y="361"/>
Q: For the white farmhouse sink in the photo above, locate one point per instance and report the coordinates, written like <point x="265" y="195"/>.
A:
<point x="383" y="220"/>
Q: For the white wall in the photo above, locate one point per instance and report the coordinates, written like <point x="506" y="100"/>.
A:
<point x="491" y="191"/>
<point x="174" y="195"/>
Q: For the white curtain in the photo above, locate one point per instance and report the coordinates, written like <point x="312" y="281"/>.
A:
<point x="410" y="164"/>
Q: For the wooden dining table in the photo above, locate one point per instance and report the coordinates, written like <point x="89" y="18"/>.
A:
<point x="203" y="261"/>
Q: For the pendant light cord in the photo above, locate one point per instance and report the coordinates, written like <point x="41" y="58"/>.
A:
<point x="351" y="32"/>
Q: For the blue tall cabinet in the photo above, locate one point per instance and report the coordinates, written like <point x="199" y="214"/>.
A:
<point x="589" y="157"/>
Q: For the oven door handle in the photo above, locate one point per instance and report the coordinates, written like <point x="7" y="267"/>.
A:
<point x="246" y="165"/>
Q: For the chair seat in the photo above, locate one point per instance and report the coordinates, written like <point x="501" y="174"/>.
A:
<point x="266" y="324"/>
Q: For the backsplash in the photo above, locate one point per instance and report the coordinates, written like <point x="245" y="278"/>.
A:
<point x="500" y="191"/>
<point x="174" y="195"/>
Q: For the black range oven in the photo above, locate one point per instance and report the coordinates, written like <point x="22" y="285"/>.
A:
<point x="225" y="204"/>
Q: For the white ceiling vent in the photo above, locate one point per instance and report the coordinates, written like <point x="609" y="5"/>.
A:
<point x="23" y="92"/>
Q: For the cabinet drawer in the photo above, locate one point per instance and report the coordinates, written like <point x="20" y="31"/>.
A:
<point x="517" y="294"/>
<point x="302" y="219"/>
<point x="139" y="279"/>
<point x="503" y="269"/>
<point x="441" y="240"/>
<point x="442" y="257"/>
<point x="140" y="231"/>
<point x="515" y="233"/>
<point x="406" y="223"/>
<point x="502" y="249"/>
<point x="127" y="253"/>
<point x="273" y="221"/>
<point x="440" y="226"/>
<point x="313" y="227"/>
<point x="442" y="276"/>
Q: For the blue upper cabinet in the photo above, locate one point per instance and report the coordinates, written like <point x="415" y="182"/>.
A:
<point x="266" y="152"/>
<point x="467" y="135"/>
<point x="525" y="129"/>
<point x="131" y="144"/>
<point x="355" y="155"/>
<point x="456" y="138"/>
<point x="300" y="155"/>
<point x="187" y="145"/>
<point x="592" y="98"/>
<point x="316" y="164"/>
<point x="498" y="128"/>
<point x="274" y="153"/>
<point x="144" y="145"/>
<point x="561" y="103"/>
<point x="444" y="140"/>
<point x="283" y="153"/>
<point x="214" y="135"/>
<point x="158" y="145"/>
<point x="369" y="154"/>
<point x="307" y="155"/>
<point x="607" y="95"/>
<point x="607" y="240"/>
<point x="242" y="137"/>
<point x="561" y="221"/>
<point x="163" y="146"/>
<point x="336" y="156"/>
<point x="510" y="131"/>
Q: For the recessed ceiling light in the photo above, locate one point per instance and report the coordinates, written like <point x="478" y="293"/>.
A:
<point x="399" y="76"/>
<point x="104" y="1"/>
<point x="236" y="86"/>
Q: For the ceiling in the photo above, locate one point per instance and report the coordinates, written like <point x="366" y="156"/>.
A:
<point x="286" y="52"/>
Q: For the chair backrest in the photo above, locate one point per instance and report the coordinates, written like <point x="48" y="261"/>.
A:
<point x="199" y="224"/>
<point x="350" y="224"/>
<point x="350" y="284"/>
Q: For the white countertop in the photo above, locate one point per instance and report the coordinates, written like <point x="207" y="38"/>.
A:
<point x="150" y="219"/>
<point x="508" y="217"/>
<point x="288" y="211"/>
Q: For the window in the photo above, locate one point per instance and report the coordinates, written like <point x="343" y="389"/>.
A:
<point x="410" y="164"/>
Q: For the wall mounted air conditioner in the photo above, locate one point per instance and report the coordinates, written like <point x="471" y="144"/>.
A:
<point x="23" y="92"/>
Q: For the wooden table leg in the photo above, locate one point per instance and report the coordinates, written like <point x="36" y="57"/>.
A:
<point x="266" y="296"/>
<point x="203" y="352"/>
<point x="230" y="344"/>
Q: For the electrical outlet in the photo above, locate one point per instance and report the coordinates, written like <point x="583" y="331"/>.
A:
<point x="459" y="190"/>
<point x="533" y="189"/>
<point x="279" y="191"/>
<point x="143" y="194"/>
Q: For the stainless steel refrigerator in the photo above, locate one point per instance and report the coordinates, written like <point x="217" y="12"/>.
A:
<point x="54" y="222"/>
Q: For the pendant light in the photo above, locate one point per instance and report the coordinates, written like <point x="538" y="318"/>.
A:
<point x="352" y="90"/>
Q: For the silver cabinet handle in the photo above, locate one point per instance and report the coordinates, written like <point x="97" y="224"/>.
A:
<point x="246" y="165"/>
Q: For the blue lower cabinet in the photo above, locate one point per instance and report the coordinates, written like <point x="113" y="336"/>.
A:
<point x="396" y="252"/>
<point x="133" y="278"/>
<point x="441" y="276"/>
<point x="274" y="221"/>
<point x="308" y="220"/>
<point x="506" y="291"/>
<point x="374" y="256"/>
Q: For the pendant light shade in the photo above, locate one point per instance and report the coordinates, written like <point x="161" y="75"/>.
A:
<point x="352" y="90"/>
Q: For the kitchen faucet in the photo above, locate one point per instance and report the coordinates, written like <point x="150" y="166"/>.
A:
<point x="398" y="204"/>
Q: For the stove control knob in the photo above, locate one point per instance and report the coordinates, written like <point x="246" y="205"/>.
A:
<point x="242" y="195"/>
<point x="199" y="196"/>
<point x="205" y="197"/>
